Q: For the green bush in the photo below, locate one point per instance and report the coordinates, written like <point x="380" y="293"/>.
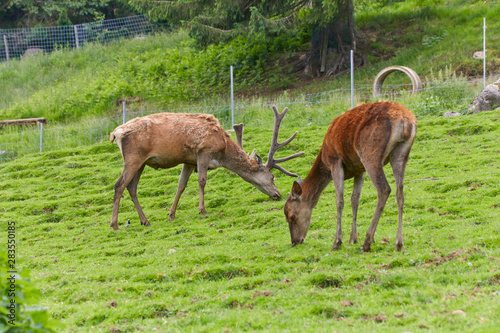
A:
<point x="27" y="317"/>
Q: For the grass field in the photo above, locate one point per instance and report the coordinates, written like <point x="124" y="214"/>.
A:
<point x="235" y="269"/>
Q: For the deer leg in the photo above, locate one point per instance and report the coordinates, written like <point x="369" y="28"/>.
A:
<point x="399" y="158"/>
<point x="377" y="176"/>
<point x="338" y="180"/>
<point x="356" y="193"/>
<point x="187" y="170"/>
<point x="202" y="181"/>
<point x="128" y="173"/>
<point x="132" y="189"/>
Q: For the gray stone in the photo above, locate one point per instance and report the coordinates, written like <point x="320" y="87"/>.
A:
<point x="487" y="99"/>
<point x="32" y="52"/>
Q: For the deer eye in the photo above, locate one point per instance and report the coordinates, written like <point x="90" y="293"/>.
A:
<point x="292" y="218"/>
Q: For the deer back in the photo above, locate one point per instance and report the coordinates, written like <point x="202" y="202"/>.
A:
<point x="168" y="139"/>
<point x="369" y="131"/>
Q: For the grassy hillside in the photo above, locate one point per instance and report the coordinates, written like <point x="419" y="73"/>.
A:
<point x="235" y="269"/>
<point x="165" y="71"/>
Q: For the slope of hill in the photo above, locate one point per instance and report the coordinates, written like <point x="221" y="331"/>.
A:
<point x="235" y="269"/>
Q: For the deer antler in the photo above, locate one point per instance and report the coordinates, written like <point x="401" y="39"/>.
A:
<point x="271" y="162"/>
<point x="238" y="130"/>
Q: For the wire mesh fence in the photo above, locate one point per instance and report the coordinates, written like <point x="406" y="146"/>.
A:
<point x="16" y="43"/>
<point x="318" y="109"/>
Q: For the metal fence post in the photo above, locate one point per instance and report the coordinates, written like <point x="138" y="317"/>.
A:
<point x="40" y="127"/>
<point x="124" y="112"/>
<point x="6" y="47"/>
<point x="76" y="36"/>
<point x="484" y="52"/>
<point x="232" y="98"/>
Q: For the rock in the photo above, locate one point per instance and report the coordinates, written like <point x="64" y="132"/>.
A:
<point x="487" y="99"/>
<point x="32" y="52"/>
<point x="478" y="55"/>
<point x="452" y="114"/>
<point x="458" y="313"/>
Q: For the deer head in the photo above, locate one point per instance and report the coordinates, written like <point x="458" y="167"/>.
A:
<point x="297" y="214"/>
<point x="263" y="178"/>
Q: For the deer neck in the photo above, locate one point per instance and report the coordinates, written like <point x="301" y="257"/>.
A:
<point x="237" y="161"/>
<point x="316" y="181"/>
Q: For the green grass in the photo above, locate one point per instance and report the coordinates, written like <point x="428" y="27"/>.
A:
<point x="235" y="269"/>
<point x="444" y="92"/>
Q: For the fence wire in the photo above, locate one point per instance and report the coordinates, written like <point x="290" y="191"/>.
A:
<point x="317" y="109"/>
<point x="16" y="43"/>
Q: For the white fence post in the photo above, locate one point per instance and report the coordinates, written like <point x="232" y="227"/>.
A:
<point x="124" y="112"/>
<point x="484" y="52"/>
<point x="77" y="43"/>
<point x="40" y="127"/>
<point x="232" y="99"/>
<point x="6" y="47"/>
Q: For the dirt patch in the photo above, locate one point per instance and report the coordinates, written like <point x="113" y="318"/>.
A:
<point x="263" y="293"/>
<point x="378" y="318"/>
<point x="449" y="296"/>
<point x="346" y="303"/>
<point x="450" y="256"/>
<point x="112" y="304"/>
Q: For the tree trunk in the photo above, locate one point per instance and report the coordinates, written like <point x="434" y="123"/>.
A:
<point x="324" y="50"/>
<point x="340" y="31"/>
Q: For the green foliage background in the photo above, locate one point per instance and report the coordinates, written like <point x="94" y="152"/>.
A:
<point x="169" y="70"/>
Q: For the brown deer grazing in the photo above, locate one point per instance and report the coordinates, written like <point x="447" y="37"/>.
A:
<point x="164" y="140"/>
<point x="363" y="139"/>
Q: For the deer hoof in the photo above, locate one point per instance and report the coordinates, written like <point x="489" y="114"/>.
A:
<point x="337" y="245"/>
<point x="203" y="211"/>
<point x="146" y="223"/>
<point x="353" y="240"/>
<point x="171" y="216"/>
<point x="114" y="226"/>
<point x="399" y="246"/>
<point x="366" y="247"/>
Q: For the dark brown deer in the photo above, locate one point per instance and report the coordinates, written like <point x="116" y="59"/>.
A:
<point x="360" y="141"/>
<point x="165" y="140"/>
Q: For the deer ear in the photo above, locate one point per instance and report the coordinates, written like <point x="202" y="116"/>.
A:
<point x="258" y="160"/>
<point x="299" y="181"/>
<point x="296" y="190"/>
<point x="252" y="155"/>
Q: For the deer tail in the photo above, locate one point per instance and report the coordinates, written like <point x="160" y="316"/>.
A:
<point x="112" y="137"/>
<point x="410" y="130"/>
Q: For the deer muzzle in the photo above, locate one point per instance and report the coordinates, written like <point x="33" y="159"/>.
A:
<point x="276" y="195"/>
<point x="295" y="242"/>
